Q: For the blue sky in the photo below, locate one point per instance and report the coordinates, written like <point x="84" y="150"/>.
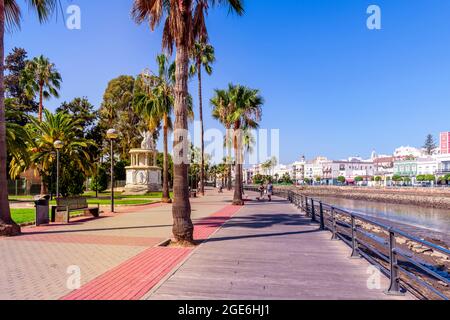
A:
<point x="331" y="86"/>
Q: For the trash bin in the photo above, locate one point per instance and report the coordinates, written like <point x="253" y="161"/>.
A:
<point x="42" y="210"/>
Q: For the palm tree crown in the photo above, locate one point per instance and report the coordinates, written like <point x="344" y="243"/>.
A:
<point x="41" y="77"/>
<point x="185" y="21"/>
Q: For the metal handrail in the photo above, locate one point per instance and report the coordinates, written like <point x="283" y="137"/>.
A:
<point x="327" y="214"/>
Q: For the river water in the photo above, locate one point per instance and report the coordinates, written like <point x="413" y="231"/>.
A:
<point x="437" y="220"/>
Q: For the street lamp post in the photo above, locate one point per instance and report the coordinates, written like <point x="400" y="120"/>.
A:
<point x="112" y="135"/>
<point x="58" y="146"/>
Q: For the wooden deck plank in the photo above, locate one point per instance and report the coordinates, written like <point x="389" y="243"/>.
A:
<point x="268" y="251"/>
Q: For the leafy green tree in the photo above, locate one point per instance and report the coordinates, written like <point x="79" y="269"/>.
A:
<point x="15" y="64"/>
<point x="10" y="17"/>
<point x="430" y="145"/>
<point x="341" y="179"/>
<point x="359" y="179"/>
<point x="117" y="112"/>
<point x="41" y="78"/>
<point x="99" y="182"/>
<point x="185" y="23"/>
<point x="202" y="56"/>
<point x="80" y="109"/>
<point x="286" y="179"/>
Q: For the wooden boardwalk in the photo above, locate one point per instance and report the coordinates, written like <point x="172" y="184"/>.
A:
<point x="268" y="251"/>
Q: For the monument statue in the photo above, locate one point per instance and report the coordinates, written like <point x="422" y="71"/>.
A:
<point x="143" y="176"/>
<point x="148" y="142"/>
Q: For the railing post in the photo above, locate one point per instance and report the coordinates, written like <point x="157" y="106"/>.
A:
<point x="354" y="240"/>
<point x="334" y="229"/>
<point x="394" y="288"/>
<point x="313" y="211"/>
<point x="306" y="206"/>
<point x="322" y="219"/>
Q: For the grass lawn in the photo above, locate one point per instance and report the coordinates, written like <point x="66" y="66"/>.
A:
<point x="93" y="201"/>
<point x="23" y="215"/>
<point x="28" y="215"/>
<point x="103" y="198"/>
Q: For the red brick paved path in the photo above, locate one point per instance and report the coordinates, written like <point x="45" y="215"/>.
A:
<point x="134" y="278"/>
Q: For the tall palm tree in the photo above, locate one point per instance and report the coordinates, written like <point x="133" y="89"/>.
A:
<point x="222" y="109"/>
<point x="10" y="16"/>
<point x="243" y="112"/>
<point x="184" y="24"/>
<point x="154" y="101"/>
<point x="41" y="77"/>
<point x="202" y="56"/>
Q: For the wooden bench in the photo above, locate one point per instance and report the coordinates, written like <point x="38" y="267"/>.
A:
<point x="64" y="206"/>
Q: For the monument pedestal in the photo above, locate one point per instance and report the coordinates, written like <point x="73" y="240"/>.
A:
<point x="142" y="177"/>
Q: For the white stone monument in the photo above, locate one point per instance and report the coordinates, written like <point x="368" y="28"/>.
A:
<point x="143" y="176"/>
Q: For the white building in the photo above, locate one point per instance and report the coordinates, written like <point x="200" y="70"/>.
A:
<point x="349" y="169"/>
<point x="314" y="168"/>
<point x="408" y="151"/>
<point x="281" y="170"/>
<point x="429" y="165"/>
<point x="298" y="170"/>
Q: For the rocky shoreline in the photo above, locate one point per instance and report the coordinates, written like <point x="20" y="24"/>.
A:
<point x="429" y="198"/>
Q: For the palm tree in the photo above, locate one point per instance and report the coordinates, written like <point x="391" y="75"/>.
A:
<point x="40" y="76"/>
<point x="155" y="103"/>
<point x="222" y="109"/>
<point x="17" y="141"/>
<point x="60" y="126"/>
<point x="10" y="16"/>
<point x="243" y="111"/>
<point x="203" y="56"/>
<point x="185" y="23"/>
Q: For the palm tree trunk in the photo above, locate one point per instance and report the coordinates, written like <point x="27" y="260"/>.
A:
<point x="183" y="228"/>
<point x="41" y="110"/>
<point x="7" y="225"/>
<point x="166" y="191"/>
<point x="41" y="101"/>
<point x="237" y="199"/>
<point x="230" y="165"/>
<point x="202" y="131"/>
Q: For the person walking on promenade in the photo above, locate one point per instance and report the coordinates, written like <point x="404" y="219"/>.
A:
<point x="261" y="189"/>
<point x="270" y="191"/>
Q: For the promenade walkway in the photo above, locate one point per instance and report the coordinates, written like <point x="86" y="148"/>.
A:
<point x="42" y="263"/>
<point x="267" y="251"/>
<point x="260" y="251"/>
